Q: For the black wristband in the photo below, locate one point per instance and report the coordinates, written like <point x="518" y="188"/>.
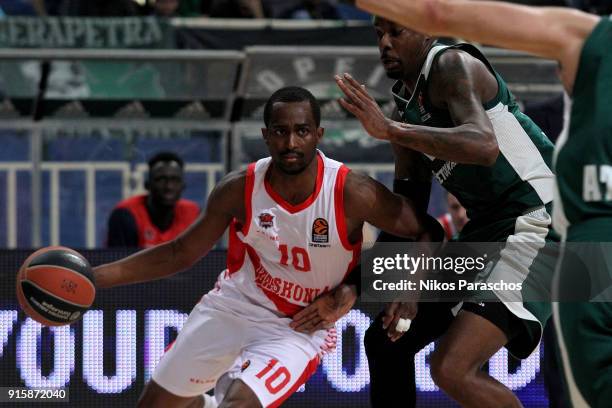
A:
<point x="434" y="228"/>
<point x="417" y="191"/>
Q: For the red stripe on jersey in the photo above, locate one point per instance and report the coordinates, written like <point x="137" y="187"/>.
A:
<point x="282" y="305"/>
<point x="304" y="204"/>
<point x="248" y="198"/>
<point x="236" y="250"/>
<point x="310" y="369"/>
<point x="341" y="220"/>
<point x="339" y="209"/>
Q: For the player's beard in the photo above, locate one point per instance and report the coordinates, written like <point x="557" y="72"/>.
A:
<point x="295" y="169"/>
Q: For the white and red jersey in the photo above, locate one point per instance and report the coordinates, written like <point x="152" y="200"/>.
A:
<point x="285" y="255"/>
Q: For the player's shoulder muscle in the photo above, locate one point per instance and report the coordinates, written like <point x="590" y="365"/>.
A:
<point x="456" y="73"/>
<point x="228" y="194"/>
<point x="360" y="194"/>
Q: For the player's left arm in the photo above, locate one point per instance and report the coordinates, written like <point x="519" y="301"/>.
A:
<point x="461" y="84"/>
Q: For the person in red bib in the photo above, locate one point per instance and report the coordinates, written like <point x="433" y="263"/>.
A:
<point x="161" y="215"/>
<point x="455" y="219"/>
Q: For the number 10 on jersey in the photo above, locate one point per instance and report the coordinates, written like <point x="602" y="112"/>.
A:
<point x="299" y="257"/>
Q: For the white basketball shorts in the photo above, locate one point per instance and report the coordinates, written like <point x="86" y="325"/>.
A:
<point x="215" y="347"/>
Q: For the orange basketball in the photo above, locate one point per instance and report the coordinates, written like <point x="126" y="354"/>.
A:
<point x="55" y="286"/>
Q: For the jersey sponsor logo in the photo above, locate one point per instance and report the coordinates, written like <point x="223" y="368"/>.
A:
<point x="444" y="172"/>
<point x="425" y="116"/>
<point x="597" y="183"/>
<point x="320" y="231"/>
<point x="266" y="220"/>
<point x="290" y="291"/>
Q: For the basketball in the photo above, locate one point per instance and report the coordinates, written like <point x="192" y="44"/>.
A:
<point x="55" y="286"/>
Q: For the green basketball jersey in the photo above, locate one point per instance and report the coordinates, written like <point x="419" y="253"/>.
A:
<point x="583" y="157"/>
<point x="520" y="179"/>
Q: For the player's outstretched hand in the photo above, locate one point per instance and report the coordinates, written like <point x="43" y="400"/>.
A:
<point x="325" y="310"/>
<point x="358" y="101"/>
<point x="395" y="311"/>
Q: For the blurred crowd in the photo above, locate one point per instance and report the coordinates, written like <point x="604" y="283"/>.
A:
<point x="284" y="9"/>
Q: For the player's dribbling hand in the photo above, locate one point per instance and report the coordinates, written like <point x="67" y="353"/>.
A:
<point x="395" y="311"/>
<point x="358" y="101"/>
<point x="325" y="310"/>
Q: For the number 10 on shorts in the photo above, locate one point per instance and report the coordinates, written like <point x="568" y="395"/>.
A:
<point x="274" y="380"/>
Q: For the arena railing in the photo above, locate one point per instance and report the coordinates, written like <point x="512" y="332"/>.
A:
<point x="207" y="109"/>
<point x="241" y="93"/>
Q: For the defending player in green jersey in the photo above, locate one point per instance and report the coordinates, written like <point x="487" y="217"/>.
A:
<point x="458" y="121"/>
<point x="580" y="42"/>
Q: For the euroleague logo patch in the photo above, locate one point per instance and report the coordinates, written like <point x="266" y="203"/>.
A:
<point x="266" y="220"/>
<point x="320" y="231"/>
<point x="245" y="365"/>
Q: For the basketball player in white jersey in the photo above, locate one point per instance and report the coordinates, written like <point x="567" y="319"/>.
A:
<point x="295" y="222"/>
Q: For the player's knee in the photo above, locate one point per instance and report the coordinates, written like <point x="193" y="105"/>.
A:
<point x="448" y="373"/>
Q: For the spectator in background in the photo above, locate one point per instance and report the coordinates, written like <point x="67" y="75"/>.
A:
<point x="455" y="219"/>
<point x="159" y="216"/>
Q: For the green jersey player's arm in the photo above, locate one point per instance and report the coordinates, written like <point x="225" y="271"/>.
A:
<point x="225" y="203"/>
<point x="550" y="32"/>
<point x="461" y="84"/>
